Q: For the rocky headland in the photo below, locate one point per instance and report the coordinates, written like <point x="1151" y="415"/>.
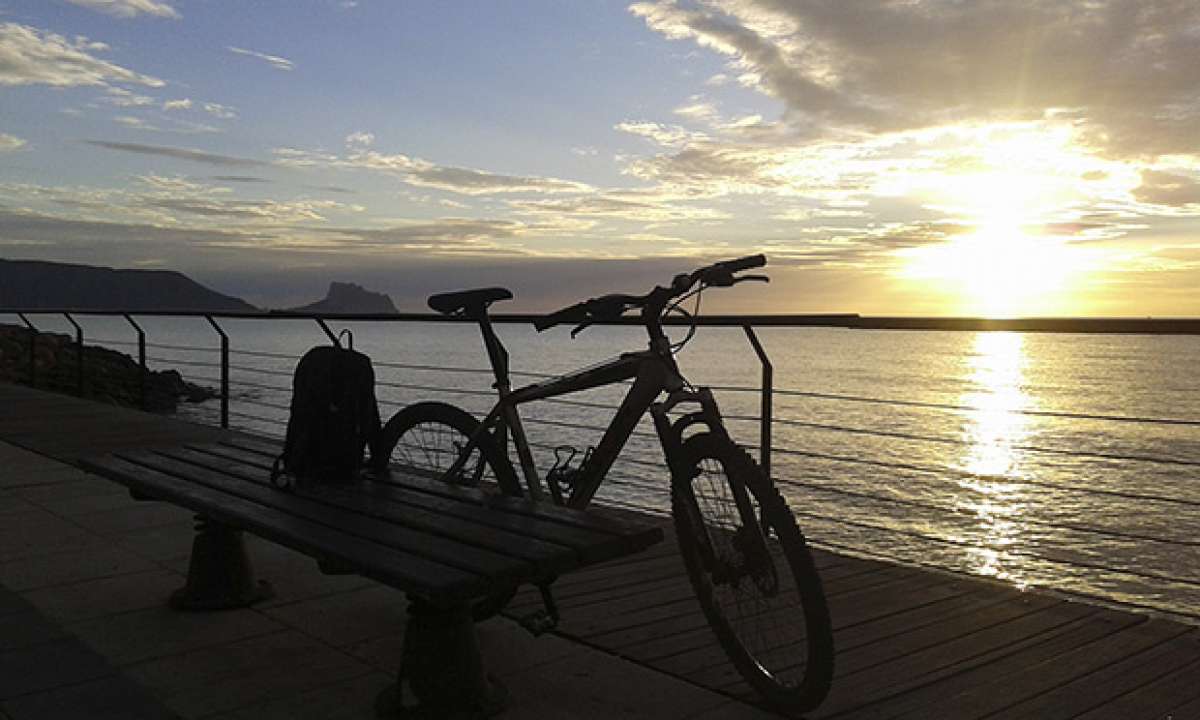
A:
<point x="108" y="375"/>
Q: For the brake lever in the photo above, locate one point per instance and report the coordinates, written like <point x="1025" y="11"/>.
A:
<point x="580" y="328"/>
<point x="757" y="278"/>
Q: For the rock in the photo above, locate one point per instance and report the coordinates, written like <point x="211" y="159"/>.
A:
<point x="350" y="298"/>
<point x="108" y="375"/>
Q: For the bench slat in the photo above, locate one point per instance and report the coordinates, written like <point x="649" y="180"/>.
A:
<point x="434" y="581"/>
<point x="537" y="520"/>
<point x="547" y="557"/>
<point x="439" y="549"/>
<point x="593" y="519"/>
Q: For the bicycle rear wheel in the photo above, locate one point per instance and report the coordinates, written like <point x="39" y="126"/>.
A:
<point x="753" y="574"/>
<point x="426" y="439"/>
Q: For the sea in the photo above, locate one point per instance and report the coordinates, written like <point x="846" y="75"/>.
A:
<point x="1066" y="462"/>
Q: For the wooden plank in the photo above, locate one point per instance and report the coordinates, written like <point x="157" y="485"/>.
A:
<point x="916" y="702"/>
<point x="1074" y="682"/>
<point x="470" y="504"/>
<point x="547" y="557"/>
<point x="975" y="649"/>
<point x="595" y="518"/>
<point x="434" y="581"/>
<point x="1155" y="699"/>
<point x="478" y="561"/>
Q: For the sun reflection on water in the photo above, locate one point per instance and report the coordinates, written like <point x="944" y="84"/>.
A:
<point x="993" y="431"/>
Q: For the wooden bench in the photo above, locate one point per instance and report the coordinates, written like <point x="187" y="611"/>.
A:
<point x="446" y="547"/>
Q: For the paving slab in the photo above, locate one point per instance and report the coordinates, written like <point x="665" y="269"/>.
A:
<point x="246" y="672"/>
<point x="346" y="618"/>
<point x="23" y="629"/>
<point x="352" y="699"/>
<point x="120" y="520"/>
<point x="48" y="665"/>
<point x="159" y="632"/>
<point x="110" y="698"/>
<point x="69" y="567"/>
<point x="106" y="596"/>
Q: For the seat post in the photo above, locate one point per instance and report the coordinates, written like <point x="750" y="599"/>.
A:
<point x="497" y="354"/>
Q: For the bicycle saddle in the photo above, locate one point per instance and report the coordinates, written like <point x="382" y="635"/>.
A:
<point x="468" y="300"/>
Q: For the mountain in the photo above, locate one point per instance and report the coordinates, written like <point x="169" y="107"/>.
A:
<point x="350" y="298"/>
<point x="34" y="284"/>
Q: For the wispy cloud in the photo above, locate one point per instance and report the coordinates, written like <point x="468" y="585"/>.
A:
<point x="129" y="8"/>
<point x="218" y="110"/>
<point x="181" y="104"/>
<point x="199" y="156"/>
<point x="29" y="56"/>
<point x="9" y="143"/>
<point x="422" y="173"/>
<point x="276" y="62"/>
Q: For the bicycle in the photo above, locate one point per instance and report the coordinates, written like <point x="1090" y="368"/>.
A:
<point x="746" y="559"/>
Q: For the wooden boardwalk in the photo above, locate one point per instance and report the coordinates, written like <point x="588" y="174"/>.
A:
<point x="911" y="643"/>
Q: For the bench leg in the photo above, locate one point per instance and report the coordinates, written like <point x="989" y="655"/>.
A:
<point x="219" y="574"/>
<point x="444" y="668"/>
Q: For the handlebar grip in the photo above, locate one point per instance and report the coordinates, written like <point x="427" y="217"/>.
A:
<point x="746" y="263"/>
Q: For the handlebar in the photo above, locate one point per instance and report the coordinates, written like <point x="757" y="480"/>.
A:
<point x="608" y="307"/>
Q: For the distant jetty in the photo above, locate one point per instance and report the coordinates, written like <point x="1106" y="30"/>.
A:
<point x="1147" y="326"/>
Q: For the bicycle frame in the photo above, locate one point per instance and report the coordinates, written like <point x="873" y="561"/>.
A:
<point x="653" y="372"/>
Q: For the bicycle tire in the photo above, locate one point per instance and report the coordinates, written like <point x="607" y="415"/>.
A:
<point x="414" y="428"/>
<point x="789" y="663"/>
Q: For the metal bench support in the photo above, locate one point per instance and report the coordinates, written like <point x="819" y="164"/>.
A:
<point x="219" y="575"/>
<point x="443" y="667"/>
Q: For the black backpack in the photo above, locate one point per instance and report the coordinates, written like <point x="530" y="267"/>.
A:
<point x="333" y="418"/>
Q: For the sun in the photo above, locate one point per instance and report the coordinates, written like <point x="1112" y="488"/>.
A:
<point x="1005" y="264"/>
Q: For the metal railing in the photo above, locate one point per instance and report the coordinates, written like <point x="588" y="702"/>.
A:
<point x="837" y="513"/>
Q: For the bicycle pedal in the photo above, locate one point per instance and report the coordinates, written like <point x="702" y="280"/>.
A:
<point x="538" y="622"/>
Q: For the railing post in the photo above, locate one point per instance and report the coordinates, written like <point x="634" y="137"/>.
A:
<point x="768" y="381"/>
<point x="141" y="361"/>
<point x="78" y="354"/>
<point x="224" y="370"/>
<point x="33" y="334"/>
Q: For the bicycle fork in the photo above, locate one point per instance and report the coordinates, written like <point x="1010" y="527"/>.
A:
<point x="750" y="538"/>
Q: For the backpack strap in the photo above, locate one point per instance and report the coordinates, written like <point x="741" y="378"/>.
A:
<point x="349" y="339"/>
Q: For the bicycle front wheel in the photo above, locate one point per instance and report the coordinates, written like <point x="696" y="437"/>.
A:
<point x="753" y="574"/>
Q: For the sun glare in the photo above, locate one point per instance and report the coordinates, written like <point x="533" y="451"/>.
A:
<point x="1005" y="265"/>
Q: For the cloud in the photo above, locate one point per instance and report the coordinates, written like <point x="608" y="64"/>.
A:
<point x="8" y="143"/>
<point x="276" y="62"/>
<point x="98" y="238"/>
<point x="125" y="98"/>
<point x="176" y="126"/>
<point x="182" y="104"/>
<point x="129" y="8"/>
<point x="422" y="173"/>
<point x="178" y="153"/>
<point x="626" y="205"/>
<point x="240" y="179"/>
<point x="360" y="139"/>
<point x="221" y="111"/>
<point x="1163" y="188"/>
<point x="665" y="135"/>
<point x="466" y="181"/>
<point x="1124" y="71"/>
<point x="29" y="56"/>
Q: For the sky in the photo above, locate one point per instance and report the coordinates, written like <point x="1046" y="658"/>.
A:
<point x="915" y="157"/>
